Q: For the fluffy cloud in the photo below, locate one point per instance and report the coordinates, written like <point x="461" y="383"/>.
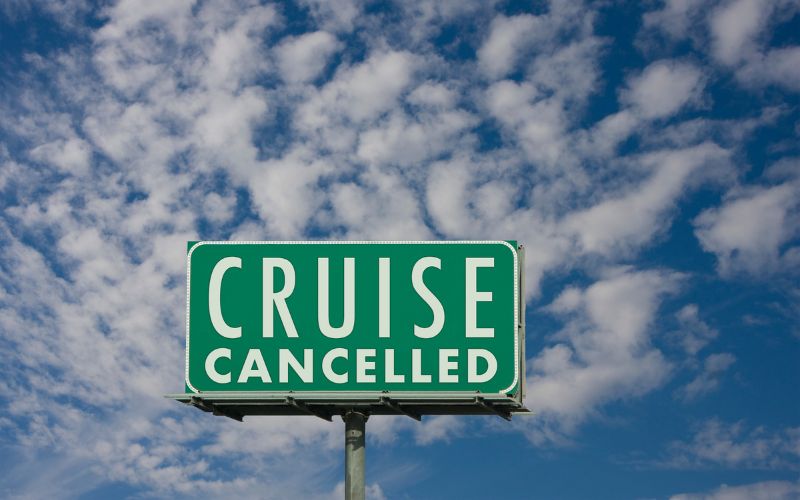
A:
<point x="406" y="142"/>
<point x="675" y="18"/>
<point x="603" y="353"/>
<point x="439" y="428"/>
<point x="632" y="219"/>
<point x="780" y="66"/>
<point x="498" y="54"/>
<point x="334" y="15"/>
<point x="735" y="34"/>
<point x="738" y="33"/>
<point x="694" y="333"/>
<point x="538" y="125"/>
<point x="753" y="230"/>
<point x="720" y="444"/>
<point x="69" y="155"/>
<point x="302" y="58"/>
<point x="663" y="88"/>
<point x="276" y="184"/>
<point x="734" y="27"/>
<point x="709" y="378"/>
<point x="356" y="95"/>
<point x="765" y="490"/>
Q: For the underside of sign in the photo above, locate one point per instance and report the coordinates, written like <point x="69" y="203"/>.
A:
<point x="238" y="406"/>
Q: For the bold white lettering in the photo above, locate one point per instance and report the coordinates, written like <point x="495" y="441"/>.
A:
<point x="474" y="296"/>
<point x="473" y="376"/>
<point x="211" y="369"/>
<point x="391" y="376"/>
<point x="327" y="368"/>
<point x="426" y="295"/>
<point x="384" y="289"/>
<point x="304" y="371"/>
<point x="416" y="368"/>
<point x="362" y="365"/>
<point x="214" y="296"/>
<point x="349" y="299"/>
<point x="254" y="359"/>
<point x="446" y="366"/>
<point x="277" y="298"/>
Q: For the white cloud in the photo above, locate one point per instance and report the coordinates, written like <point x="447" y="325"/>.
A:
<point x="127" y="15"/>
<point x="633" y="218"/>
<point x="302" y="58"/>
<point x="277" y="184"/>
<point x="425" y="19"/>
<point x="448" y="197"/>
<point x="226" y="124"/>
<point x="439" y="428"/>
<point x="234" y="54"/>
<point x="749" y="232"/>
<point x="675" y="18"/>
<point x="709" y="379"/>
<point x="739" y="31"/>
<point x="602" y="354"/>
<point x="663" y="88"/>
<point x="735" y="34"/>
<point x="129" y="62"/>
<point x="433" y="95"/>
<point x="539" y="125"/>
<point x="380" y="206"/>
<point x="660" y="91"/>
<point x="334" y="15"/>
<point x="765" y="490"/>
<point x="508" y="36"/>
<point x="694" y="333"/>
<point x="357" y="94"/>
<point x="507" y="100"/>
<point x="69" y="14"/>
<point x="778" y="66"/>
<point x="734" y="27"/>
<point x="603" y="139"/>
<point x="570" y="72"/>
<point x="218" y="208"/>
<point x="407" y="142"/>
<point x="733" y="445"/>
<point x="70" y="155"/>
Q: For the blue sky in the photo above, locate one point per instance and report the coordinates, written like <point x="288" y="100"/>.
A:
<point x="646" y="153"/>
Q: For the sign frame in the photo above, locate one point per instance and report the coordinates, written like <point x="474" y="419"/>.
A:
<point x="237" y="404"/>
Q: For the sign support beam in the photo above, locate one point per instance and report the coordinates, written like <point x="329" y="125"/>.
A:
<point x="216" y="410"/>
<point x="492" y="408"/>
<point x="354" y="454"/>
<point x="396" y="407"/>
<point x="305" y="409"/>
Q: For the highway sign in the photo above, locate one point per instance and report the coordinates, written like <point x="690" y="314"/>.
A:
<point x="322" y="317"/>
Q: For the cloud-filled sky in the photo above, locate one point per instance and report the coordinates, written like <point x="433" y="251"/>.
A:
<point x="647" y="155"/>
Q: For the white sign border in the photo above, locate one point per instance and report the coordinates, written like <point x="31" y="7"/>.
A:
<point x="362" y="242"/>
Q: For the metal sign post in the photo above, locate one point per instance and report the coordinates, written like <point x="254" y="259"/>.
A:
<point x="354" y="454"/>
<point x="355" y="328"/>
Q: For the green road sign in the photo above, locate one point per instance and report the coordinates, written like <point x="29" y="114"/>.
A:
<point x="353" y="317"/>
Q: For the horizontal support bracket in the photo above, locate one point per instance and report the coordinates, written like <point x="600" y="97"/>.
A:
<point x="387" y="401"/>
<point x="307" y="409"/>
<point x="492" y="408"/>
<point x="198" y="402"/>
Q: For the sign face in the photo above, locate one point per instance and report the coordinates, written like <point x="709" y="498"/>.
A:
<point x="353" y="317"/>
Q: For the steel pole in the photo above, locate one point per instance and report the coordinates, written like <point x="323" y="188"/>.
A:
<point x="354" y="452"/>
